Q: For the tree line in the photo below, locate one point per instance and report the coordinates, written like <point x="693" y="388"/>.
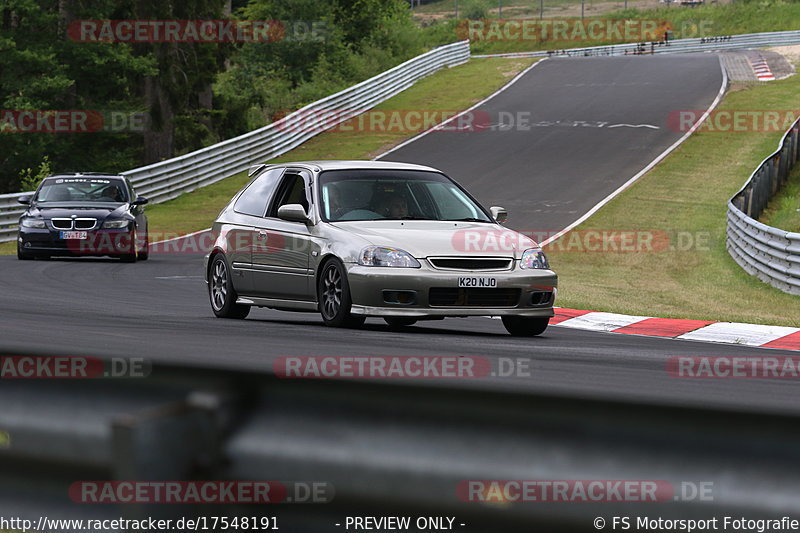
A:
<point x="78" y="100"/>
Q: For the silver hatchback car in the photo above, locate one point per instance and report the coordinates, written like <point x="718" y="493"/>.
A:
<point x="352" y="239"/>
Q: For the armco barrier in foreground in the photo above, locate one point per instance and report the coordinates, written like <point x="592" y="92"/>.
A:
<point x="771" y="254"/>
<point x="698" y="44"/>
<point x="407" y="448"/>
<point x="169" y="179"/>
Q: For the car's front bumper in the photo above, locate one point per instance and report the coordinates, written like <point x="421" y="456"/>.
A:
<point x="369" y="287"/>
<point x="36" y="241"/>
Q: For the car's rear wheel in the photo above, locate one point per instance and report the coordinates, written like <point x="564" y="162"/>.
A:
<point x="221" y="292"/>
<point x="335" y="302"/>
<point x="399" y="321"/>
<point x="525" y="326"/>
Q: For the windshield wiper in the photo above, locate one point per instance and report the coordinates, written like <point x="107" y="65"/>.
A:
<point x="469" y="219"/>
<point x="406" y="218"/>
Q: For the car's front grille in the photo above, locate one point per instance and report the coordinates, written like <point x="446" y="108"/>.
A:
<point x="472" y="297"/>
<point x="85" y="223"/>
<point x="61" y="223"/>
<point x="471" y="263"/>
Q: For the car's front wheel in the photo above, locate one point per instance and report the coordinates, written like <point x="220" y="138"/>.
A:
<point x="144" y="251"/>
<point x="21" y="255"/>
<point x="525" y="326"/>
<point x="399" y="321"/>
<point x="131" y="256"/>
<point x="223" y="295"/>
<point x="335" y="302"/>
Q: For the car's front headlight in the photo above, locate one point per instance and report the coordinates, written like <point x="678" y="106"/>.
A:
<point x="382" y="256"/>
<point x="37" y="223"/>
<point x="115" y="224"/>
<point x="533" y="258"/>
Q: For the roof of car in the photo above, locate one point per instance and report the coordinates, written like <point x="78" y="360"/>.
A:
<point x="85" y="175"/>
<point x="359" y="164"/>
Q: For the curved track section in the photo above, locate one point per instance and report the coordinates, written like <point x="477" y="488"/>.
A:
<point x="569" y="132"/>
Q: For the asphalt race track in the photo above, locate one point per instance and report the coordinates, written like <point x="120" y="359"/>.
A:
<point x="569" y="132"/>
<point x="159" y="309"/>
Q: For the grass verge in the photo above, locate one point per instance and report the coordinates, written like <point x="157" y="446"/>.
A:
<point x="447" y="91"/>
<point x="683" y="198"/>
<point x="784" y="210"/>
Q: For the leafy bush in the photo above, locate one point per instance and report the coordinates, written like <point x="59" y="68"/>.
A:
<point x="29" y="179"/>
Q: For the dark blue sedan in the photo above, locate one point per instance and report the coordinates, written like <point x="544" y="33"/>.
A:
<point x="83" y="215"/>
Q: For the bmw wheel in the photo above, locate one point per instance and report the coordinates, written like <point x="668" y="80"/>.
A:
<point x="23" y="256"/>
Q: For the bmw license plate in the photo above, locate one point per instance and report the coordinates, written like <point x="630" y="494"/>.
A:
<point x="477" y="282"/>
<point x="74" y="235"/>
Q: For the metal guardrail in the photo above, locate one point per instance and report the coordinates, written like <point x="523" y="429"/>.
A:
<point x="771" y="254"/>
<point x="402" y="447"/>
<point x="698" y="44"/>
<point x="171" y="178"/>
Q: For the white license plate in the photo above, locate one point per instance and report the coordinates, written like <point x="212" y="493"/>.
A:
<point x="74" y="235"/>
<point x="477" y="282"/>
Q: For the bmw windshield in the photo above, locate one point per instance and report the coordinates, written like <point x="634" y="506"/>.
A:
<point x="72" y="190"/>
<point x="351" y="195"/>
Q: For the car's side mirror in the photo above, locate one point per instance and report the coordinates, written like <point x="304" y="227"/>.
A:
<point x="499" y="214"/>
<point x="293" y="213"/>
<point x="24" y="200"/>
<point x="140" y="200"/>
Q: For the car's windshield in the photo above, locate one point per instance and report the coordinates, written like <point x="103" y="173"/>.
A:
<point x="348" y="195"/>
<point x="82" y="190"/>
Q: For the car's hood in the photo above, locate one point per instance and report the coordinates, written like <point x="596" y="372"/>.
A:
<point x="66" y="210"/>
<point x="428" y="238"/>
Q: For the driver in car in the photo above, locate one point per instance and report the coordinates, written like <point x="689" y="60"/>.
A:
<point x="394" y="206"/>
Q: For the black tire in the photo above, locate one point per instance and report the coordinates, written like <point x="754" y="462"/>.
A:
<point x="22" y="256"/>
<point x="333" y="293"/>
<point x="399" y="321"/>
<point x="144" y="253"/>
<point x="525" y="326"/>
<point x="130" y="257"/>
<point x="221" y="292"/>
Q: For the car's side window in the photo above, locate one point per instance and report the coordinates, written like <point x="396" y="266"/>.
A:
<point x="254" y="199"/>
<point x="293" y="190"/>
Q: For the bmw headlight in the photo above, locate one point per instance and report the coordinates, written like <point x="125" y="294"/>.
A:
<point x="33" y="223"/>
<point x="382" y="256"/>
<point x="533" y="258"/>
<point x="115" y="224"/>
